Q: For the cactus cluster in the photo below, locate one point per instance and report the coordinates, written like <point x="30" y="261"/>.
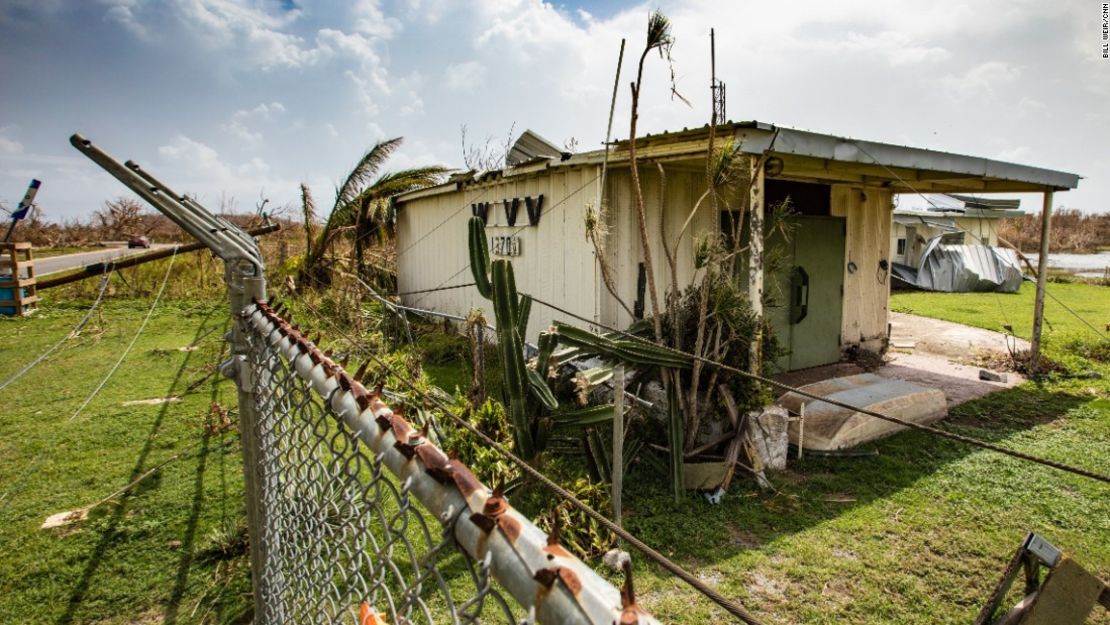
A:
<point x="496" y="282"/>
<point x="532" y="407"/>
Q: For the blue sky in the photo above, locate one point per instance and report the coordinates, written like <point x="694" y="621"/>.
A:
<point x="238" y="99"/>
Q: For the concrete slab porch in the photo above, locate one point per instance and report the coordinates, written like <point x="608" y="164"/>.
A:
<point x="935" y="361"/>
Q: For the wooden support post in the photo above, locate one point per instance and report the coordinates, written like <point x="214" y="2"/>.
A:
<point x="617" y="472"/>
<point x="755" y="264"/>
<point x="1042" y="266"/>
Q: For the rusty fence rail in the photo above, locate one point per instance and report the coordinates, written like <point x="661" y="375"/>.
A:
<point x="362" y="517"/>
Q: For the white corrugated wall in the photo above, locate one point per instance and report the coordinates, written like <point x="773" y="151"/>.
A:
<point x="556" y="263"/>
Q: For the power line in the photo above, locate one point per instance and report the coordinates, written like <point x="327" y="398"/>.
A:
<point x="730" y="606"/>
<point x="441" y="288"/>
<point x="134" y="339"/>
<point x="871" y="413"/>
<point x="72" y="333"/>
<point x="37" y="462"/>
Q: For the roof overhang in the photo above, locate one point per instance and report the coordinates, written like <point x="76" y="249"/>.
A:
<point x="811" y="157"/>
<point x="900" y="168"/>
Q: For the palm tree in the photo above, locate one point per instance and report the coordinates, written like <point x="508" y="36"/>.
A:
<point x="362" y="210"/>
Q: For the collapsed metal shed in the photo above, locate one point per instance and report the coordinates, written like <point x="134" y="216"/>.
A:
<point x="962" y="268"/>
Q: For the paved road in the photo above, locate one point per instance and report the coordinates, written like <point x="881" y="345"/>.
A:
<point x="55" y="264"/>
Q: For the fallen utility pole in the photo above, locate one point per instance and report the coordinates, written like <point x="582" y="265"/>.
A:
<point x="97" y="269"/>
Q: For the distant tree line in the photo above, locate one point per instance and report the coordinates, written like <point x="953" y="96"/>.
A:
<point x="116" y="220"/>
<point x="1071" y="231"/>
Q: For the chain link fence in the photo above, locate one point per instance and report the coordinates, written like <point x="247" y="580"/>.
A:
<point x="354" y="516"/>
<point x="363" y="520"/>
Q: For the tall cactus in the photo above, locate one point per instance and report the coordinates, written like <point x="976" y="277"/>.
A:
<point x="496" y="282"/>
<point x="479" y="257"/>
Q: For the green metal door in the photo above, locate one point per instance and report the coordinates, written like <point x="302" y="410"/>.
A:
<point x="803" y="289"/>
<point x="814" y="295"/>
<point x="807" y="301"/>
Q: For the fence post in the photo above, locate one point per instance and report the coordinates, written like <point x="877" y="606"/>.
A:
<point x="245" y="282"/>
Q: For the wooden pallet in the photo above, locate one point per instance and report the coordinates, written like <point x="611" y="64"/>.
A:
<point x="17" y="273"/>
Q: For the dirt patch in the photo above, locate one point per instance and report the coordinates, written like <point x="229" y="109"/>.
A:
<point x="767" y="587"/>
<point x="960" y="382"/>
<point x="742" y="538"/>
<point x="711" y="578"/>
<point x="946" y="338"/>
<point x="152" y="402"/>
<point x="837" y="592"/>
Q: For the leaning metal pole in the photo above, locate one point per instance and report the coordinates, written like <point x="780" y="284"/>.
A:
<point x="243" y="272"/>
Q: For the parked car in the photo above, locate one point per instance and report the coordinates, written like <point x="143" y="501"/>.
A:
<point x="138" y="241"/>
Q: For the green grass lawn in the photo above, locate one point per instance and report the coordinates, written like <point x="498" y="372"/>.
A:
<point x="994" y="310"/>
<point x="151" y="555"/>
<point x="917" y="534"/>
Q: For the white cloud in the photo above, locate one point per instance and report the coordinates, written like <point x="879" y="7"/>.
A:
<point x="266" y="111"/>
<point x="371" y="20"/>
<point x="896" y="48"/>
<point x="196" y="168"/>
<point x="333" y="42"/>
<point x="465" y="77"/>
<point x="980" y="82"/>
<point x="123" y="12"/>
<point x="239" y="126"/>
<point x="1015" y="154"/>
<point x="363" y="93"/>
<point x="1029" y="107"/>
<point x="260" y="34"/>
<point x="197" y="156"/>
<point x="258" y="37"/>
<point x="254" y="167"/>
<point x="8" y="145"/>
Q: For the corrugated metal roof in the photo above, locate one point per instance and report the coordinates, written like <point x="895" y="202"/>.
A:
<point x="847" y="150"/>
<point x="962" y="205"/>
<point x="986" y="203"/>
<point x="933" y="221"/>
<point x="534" y="153"/>
<point x="531" y="147"/>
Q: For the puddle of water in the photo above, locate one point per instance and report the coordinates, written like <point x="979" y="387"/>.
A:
<point x="1088" y="263"/>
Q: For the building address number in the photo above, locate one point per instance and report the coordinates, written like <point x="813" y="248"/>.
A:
<point x="505" y="246"/>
